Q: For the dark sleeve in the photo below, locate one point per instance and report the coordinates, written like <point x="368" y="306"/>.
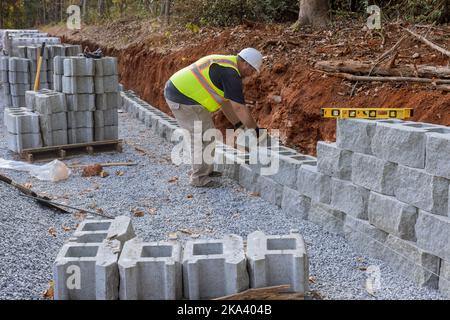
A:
<point x="229" y="81"/>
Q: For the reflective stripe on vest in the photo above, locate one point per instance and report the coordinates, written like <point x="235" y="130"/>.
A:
<point x="195" y="83"/>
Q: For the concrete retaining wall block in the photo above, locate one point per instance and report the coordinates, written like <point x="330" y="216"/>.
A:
<point x="420" y="266"/>
<point x="355" y="135"/>
<point x="87" y="271"/>
<point x="373" y="173"/>
<point x="278" y="260"/>
<point x="437" y="152"/>
<point x="314" y="184"/>
<point x="294" y="204"/>
<point x="334" y="161"/>
<point x="392" y="216"/>
<point x="364" y="237"/>
<point x="150" y="271"/>
<point x="422" y="190"/>
<point x="214" y="268"/>
<point x="349" y="198"/>
<point x="432" y="234"/>
<point x="330" y="219"/>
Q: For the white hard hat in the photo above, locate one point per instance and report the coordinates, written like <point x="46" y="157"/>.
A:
<point x="252" y="57"/>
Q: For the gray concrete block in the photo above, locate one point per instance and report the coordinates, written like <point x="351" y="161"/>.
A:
<point x="289" y="166"/>
<point x="214" y="268"/>
<point x="17" y="143"/>
<point x="73" y="50"/>
<point x="247" y="178"/>
<point x="4" y="63"/>
<point x="355" y="134"/>
<point x="106" y="84"/>
<point x="80" y="102"/>
<point x="80" y="135"/>
<point x="444" y="278"/>
<point x="373" y="173"/>
<point x="21" y="121"/>
<point x="19" y="89"/>
<point x="392" y="216"/>
<point x="54" y="138"/>
<point x="330" y="219"/>
<point x="19" y="77"/>
<point x="87" y="271"/>
<point x="437" y="152"/>
<point x="422" y="190"/>
<point x="82" y="119"/>
<point x="294" y="204"/>
<point x="53" y="122"/>
<point x="269" y="190"/>
<point x="227" y="163"/>
<point x="334" y="161"/>
<point x="48" y="103"/>
<point x="106" y="133"/>
<point x="349" y="198"/>
<point x="314" y="184"/>
<point x="34" y="52"/>
<point x="402" y="143"/>
<point x="4" y="77"/>
<point x="107" y="101"/>
<point x="57" y="83"/>
<point x="432" y="234"/>
<point x="278" y="260"/>
<point x="106" y="118"/>
<point x="34" y="66"/>
<point x="106" y="66"/>
<point x="409" y="260"/>
<point x="58" y="65"/>
<point x="364" y="237"/>
<point x="95" y="231"/>
<point x="30" y="100"/>
<point x="56" y="50"/>
<point x="19" y="65"/>
<point x="5" y="89"/>
<point x="150" y="271"/>
<point x="79" y="67"/>
<point x="6" y="101"/>
<point x="76" y="85"/>
<point x="18" y="101"/>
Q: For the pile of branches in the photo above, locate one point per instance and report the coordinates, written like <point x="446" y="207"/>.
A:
<point x="384" y="69"/>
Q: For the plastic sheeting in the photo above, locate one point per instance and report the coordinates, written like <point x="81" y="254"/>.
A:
<point x="53" y="171"/>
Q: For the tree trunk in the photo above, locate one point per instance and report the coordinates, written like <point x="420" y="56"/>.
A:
<point x="363" y="68"/>
<point x="314" y="12"/>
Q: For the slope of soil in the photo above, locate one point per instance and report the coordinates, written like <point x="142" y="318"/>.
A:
<point x="149" y="54"/>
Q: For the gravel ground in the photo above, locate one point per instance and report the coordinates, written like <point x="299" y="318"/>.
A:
<point x="27" y="249"/>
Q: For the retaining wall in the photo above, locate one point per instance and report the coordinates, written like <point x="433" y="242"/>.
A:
<point x="383" y="185"/>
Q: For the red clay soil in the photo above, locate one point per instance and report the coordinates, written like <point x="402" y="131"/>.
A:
<point x="147" y="60"/>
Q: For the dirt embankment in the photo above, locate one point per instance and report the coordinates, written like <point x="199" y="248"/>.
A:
<point x="289" y="93"/>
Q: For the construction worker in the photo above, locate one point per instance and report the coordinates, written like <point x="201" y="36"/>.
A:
<point x="212" y="83"/>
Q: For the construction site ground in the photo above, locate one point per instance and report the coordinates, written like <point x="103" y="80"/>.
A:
<point x="289" y="92"/>
<point x="157" y="196"/>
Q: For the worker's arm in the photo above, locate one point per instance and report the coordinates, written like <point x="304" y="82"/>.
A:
<point x="237" y="112"/>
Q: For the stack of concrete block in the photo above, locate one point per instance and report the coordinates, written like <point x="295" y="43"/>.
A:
<point x="7" y="34"/>
<point x="19" y="80"/>
<point x="107" y="99"/>
<point x="86" y="267"/>
<point x="30" y="40"/>
<point x="151" y="271"/>
<point x="22" y="129"/>
<point x="4" y="82"/>
<point x="78" y="85"/>
<point x="214" y="268"/>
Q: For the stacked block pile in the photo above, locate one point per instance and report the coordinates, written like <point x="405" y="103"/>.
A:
<point x="7" y="34"/>
<point x="114" y="264"/>
<point x="18" y="80"/>
<point x="4" y="82"/>
<point x="92" y="91"/>
<point x="22" y="129"/>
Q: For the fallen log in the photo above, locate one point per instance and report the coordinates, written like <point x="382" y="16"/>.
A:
<point x="388" y="79"/>
<point x="364" y="67"/>
<point x="429" y="43"/>
<point x="443" y="87"/>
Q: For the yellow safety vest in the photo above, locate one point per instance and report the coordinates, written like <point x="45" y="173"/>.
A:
<point x="195" y="83"/>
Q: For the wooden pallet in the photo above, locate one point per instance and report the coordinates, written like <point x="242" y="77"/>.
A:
<point x="70" y="150"/>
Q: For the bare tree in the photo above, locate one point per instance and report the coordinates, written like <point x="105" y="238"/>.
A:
<point x="314" y="12"/>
